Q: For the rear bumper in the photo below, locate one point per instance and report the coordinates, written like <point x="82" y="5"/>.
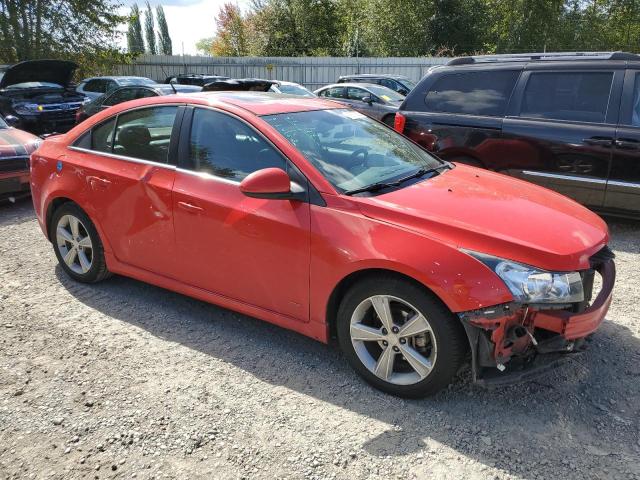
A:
<point x="578" y="325"/>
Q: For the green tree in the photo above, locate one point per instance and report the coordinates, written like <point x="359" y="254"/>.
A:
<point x="135" y="41"/>
<point x="86" y="32"/>
<point x="149" y="30"/>
<point x="164" y="39"/>
<point x="230" y="39"/>
<point x="204" y="45"/>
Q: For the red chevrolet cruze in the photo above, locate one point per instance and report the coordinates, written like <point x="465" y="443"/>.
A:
<point x="319" y="219"/>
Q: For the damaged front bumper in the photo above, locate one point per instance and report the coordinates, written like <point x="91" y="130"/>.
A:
<point x="512" y="342"/>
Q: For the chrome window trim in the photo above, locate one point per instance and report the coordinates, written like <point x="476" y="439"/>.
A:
<point x="558" y="176"/>
<point x="122" y="157"/>
<point x="617" y="183"/>
<point x="16" y="157"/>
<point x="208" y="176"/>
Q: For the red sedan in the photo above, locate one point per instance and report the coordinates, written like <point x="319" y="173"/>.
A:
<point x="314" y="217"/>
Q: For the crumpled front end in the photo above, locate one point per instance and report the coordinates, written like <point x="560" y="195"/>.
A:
<point x="513" y="341"/>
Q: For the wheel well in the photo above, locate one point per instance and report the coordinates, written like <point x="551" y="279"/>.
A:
<point x="53" y="206"/>
<point x="347" y="282"/>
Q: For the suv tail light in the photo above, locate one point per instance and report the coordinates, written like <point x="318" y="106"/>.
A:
<point x="399" y="121"/>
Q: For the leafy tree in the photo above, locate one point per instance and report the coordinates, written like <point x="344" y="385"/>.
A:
<point x="135" y="41"/>
<point x="204" y="45"/>
<point x="86" y="32"/>
<point x="164" y="39"/>
<point x="149" y="30"/>
<point x="230" y="40"/>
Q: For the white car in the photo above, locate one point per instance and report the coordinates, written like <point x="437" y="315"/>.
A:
<point x="95" y="86"/>
<point x="291" y="88"/>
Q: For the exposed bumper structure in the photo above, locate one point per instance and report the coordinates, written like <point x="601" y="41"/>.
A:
<point x="512" y="342"/>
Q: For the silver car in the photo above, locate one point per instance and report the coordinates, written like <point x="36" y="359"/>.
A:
<point x="374" y="101"/>
<point x="95" y="86"/>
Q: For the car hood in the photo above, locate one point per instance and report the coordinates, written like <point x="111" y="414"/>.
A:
<point x="491" y="213"/>
<point x="52" y="71"/>
<point x="14" y="143"/>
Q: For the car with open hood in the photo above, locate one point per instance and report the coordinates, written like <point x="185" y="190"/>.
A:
<point x="36" y="96"/>
<point x="15" y="148"/>
<point x="317" y="218"/>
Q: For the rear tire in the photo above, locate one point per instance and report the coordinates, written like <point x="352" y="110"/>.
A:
<point x="415" y="354"/>
<point x="77" y="244"/>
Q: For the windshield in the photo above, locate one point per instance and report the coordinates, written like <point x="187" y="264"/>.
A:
<point x="16" y="86"/>
<point x="385" y="93"/>
<point x="407" y="83"/>
<point x="295" y="90"/>
<point x="350" y="149"/>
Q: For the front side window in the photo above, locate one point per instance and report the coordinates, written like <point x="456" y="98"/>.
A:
<point x="145" y="133"/>
<point x="635" y="111"/>
<point x="96" y="86"/>
<point x="577" y="96"/>
<point x="350" y="149"/>
<point x="226" y="147"/>
<point x="472" y="93"/>
<point x="357" y="93"/>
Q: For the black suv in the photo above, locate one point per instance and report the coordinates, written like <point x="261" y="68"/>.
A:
<point x="398" y="83"/>
<point x="567" y="121"/>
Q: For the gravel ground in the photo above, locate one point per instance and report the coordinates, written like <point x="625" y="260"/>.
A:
<point x="126" y="380"/>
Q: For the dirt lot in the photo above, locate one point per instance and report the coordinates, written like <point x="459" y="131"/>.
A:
<point x="125" y="380"/>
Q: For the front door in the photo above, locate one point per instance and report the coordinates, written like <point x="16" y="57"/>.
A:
<point x="252" y="250"/>
<point x="623" y="187"/>
<point x="561" y="135"/>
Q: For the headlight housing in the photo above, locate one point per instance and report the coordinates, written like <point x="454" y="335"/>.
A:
<point x="532" y="285"/>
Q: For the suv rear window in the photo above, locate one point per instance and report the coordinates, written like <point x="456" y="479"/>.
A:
<point x="472" y="93"/>
<point x="578" y="96"/>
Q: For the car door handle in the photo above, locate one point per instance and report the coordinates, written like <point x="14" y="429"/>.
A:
<point x="628" y="144"/>
<point x="602" y="141"/>
<point x="189" y="207"/>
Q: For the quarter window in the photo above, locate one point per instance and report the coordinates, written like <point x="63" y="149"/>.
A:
<point x="472" y="93"/>
<point x="145" y="133"/>
<point x="102" y="136"/>
<point x="224" y="146"/>
<point x="577" y="96"/>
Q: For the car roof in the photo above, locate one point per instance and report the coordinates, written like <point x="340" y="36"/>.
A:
<point x="553" y="59"/>
<point x="375" y="75"/>
<point x="351" y="84"/>
<point x="112" y="77"/>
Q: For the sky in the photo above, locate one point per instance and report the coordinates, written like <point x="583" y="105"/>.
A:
<point x="188" y="20"/>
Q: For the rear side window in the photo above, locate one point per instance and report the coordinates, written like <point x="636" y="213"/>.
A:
<point x="224" y="146"/>
<point x="472" y="93"/>
<point x="333" y="92"/>
<point x="356" y="93"/>
<point x="102" y="136"/>
<point x="635" y="112"/>
<point x="119" y="96"/>
<point x="96" y="86"/>
<point x="145" y="133"/>
<point x="578" y="96"/>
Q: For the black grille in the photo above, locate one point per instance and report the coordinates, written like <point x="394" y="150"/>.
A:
<point x="14" y="164"/>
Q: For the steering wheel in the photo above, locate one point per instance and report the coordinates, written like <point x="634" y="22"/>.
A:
<point x="360" y="151"/>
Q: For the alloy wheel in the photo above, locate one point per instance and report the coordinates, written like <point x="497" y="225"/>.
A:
<point x="393" y="340"/>
<point x="74" y="243"/>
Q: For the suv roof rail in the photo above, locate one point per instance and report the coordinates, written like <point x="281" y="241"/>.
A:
<point x="523" y="57"/>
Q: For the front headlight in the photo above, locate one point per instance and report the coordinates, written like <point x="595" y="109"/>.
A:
<point x="532" y="285"/>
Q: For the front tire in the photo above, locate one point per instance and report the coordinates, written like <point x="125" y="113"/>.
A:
<point x="399" y="337"/>
<point x="77" y="244"/>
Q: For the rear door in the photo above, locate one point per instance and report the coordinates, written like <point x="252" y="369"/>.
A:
<point x="560" y="130"/>
<point x="129" y="170"/>
<point x="623" y="187"/>
<point x="460" y="114"/>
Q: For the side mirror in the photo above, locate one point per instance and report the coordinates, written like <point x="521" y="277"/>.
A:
<point x="12" y="121"/>
<point x="368" y="99"/>
<point x="272" y="183"/>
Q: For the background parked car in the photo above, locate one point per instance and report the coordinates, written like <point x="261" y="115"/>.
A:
<point x="15" y="148"/>
<point x="569" y="122"/>
<point x="375" y="101"/>
<point x="132" y="92"/>
<point x="397" y="83"/>
<point x="291" y="88"/>
<point x="198" y="79"/>
<point x="95" y="86"/>
<point x="38" y="94"/>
